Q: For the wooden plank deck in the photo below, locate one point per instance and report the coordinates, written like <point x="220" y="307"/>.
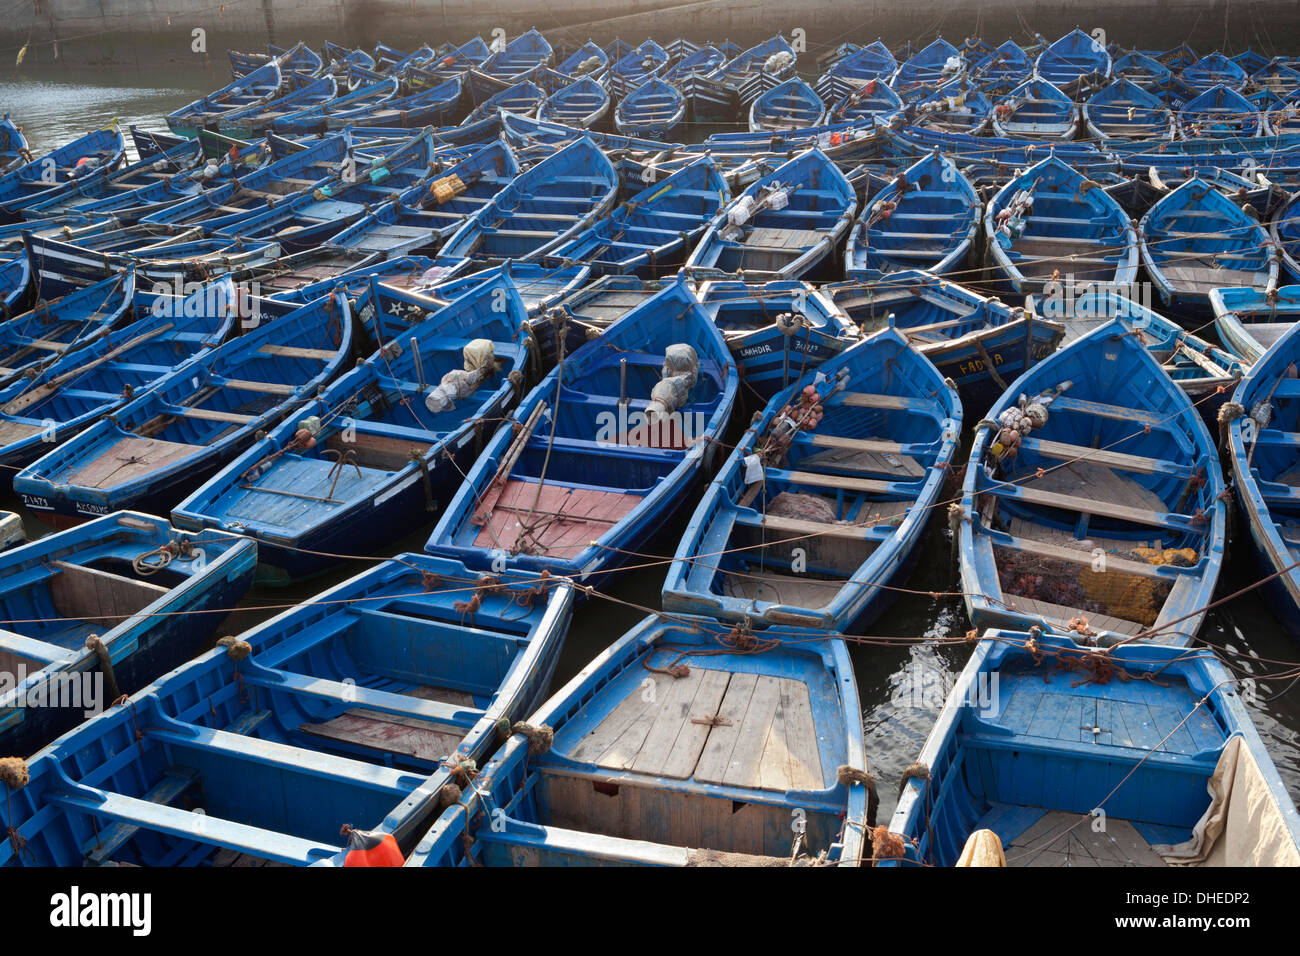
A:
<point x="716" y="726"/>
<point x="393" y="733"/>
<point x="130" y="458"/>
<point x="1061" y="839"/>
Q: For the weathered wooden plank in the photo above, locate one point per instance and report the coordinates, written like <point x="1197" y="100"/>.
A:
<point x="685" y="754"/>
<point x="716" y="756"/>
<point x="743" y="768"/>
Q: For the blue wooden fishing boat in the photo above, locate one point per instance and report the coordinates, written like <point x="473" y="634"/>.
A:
<point x="168" y="259"/>
<point x="434" y="106"/>
<point x="75" y="389"/>
<point x="1049" y="223"/>
<point x="653" y="231"/>
<point x="1221" y="113"/>
<point x="259" y="117"/>
<point x="14" y="150"/>
<point x="304" y="220"/>
<point x="588" y="60"/>
<point x="1277" y="77"/>
<point x="928" y="68"/>
<point x="978" y="343"/>
<point x="783" y="226"/>
<point x="1207" y="373"/>
<point x="338" y="59"/>
<point x="855" y="69"/>
<point x="1251" y="60"/>
<point x="1163" y="742"/>
<point x="581" y="104"/>
<point x="824" y="498"/>
<point x="1142" y="70"/>
<point x="1214" y="70"/>
<point x="958" y="107"/>
<point x="61" y="170"/>
<point x="523" y="99"/>
<point x="299" y="62"/>
<point x="871" y="101"/>
<point x="1038" y="110"/>
<point x="612" y="443"/>
<point x="654" y="110"/>
<point x="448" y="62"/>
<point x="509" y="64"/>
<point x="1285" y="231"/>
<point x="1176" y="58"/>
<point x="100" y="611"/>
<point x="125" y="192"/>
<point x="1007" y="68"/>
<point x="395" y="62"/>
<point x="702" y="62"/>
<point x="1076" y="56"/>
<point x="315" y="118"/>
<point x="128" y="207"/>
<point x="160" y="446"/>
<point x="422" y="216"/>
<point x="299" y="171"/>
<point x="1250" y="321"/>
<point x="777" y="330"/>
<point x="557" y="198"/>
<point x="377" y="452"/>
<point x="636" y="66"/>
<point x="927" y="219"/>
<point x="719" y="790"/>
<point x="1196" y="239"/>
<point x="757" y="69"/>
<point x="33" y="340"/>
<point x="1262" y="444"/>
<point x="1092" y="503"/>
<point x="578" y="314"/>
<point x="367" y="705"/>
<point x="1123" y="110"/>
<point x="789" y="105"/>
<point x="253" y="89"/>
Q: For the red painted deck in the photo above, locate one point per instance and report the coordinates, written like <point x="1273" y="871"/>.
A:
<point x="564" y="521"/>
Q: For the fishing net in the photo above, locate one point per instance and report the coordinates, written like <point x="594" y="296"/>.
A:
<point x="1130" y="597"/>
<point x="789" y="504"/>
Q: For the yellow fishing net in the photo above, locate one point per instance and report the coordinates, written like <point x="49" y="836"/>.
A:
<point x="1129" y="596"/>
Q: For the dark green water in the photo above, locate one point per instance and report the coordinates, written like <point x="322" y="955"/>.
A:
<point x="902" y="685"/>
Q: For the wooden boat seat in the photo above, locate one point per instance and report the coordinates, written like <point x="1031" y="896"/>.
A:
<point x="210" y="415"/>
<point x="15" y="647"/>
<point x="885" y="402"/>
<point x="783" y="527"/>
<point x="1062" y="451"/>
<point x="838" y="482"/>
<point x="1106" y="509"/>
<point x="385" y="702"/>
<point x="289" y="351"/>
<point x="1113" y="563"/>
<point x="175" y="781"/>
<point x="1103" y="410"/>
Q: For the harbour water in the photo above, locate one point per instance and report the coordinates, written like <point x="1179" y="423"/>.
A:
<point x="914" y="651"/>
